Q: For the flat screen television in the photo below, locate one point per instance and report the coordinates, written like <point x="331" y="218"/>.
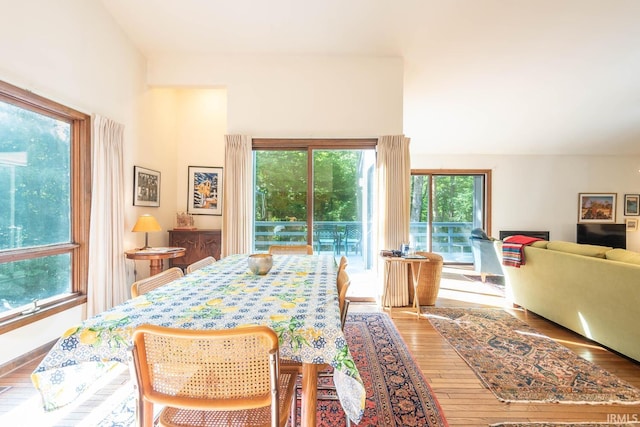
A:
<point x="613" y="235"/>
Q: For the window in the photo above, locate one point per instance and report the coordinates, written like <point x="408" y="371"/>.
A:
<point x="44" y="206"/>
<point x="316" y="192"/>
<point x="445" y="207"/>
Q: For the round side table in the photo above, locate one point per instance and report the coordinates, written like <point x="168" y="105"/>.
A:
<point x="155" y="256"/>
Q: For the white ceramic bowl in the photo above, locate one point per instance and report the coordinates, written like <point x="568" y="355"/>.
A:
<point x="260" y="263"/>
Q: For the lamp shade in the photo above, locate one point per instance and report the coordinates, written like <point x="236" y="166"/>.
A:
<point x="146" y="223"/>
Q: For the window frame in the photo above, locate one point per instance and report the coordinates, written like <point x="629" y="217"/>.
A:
<point x="78" y="248"/>
<point x="309" y="145"/>
<point x="487" y="200"/>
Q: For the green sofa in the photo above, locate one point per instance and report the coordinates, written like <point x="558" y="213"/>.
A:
<point x="592" y="290"/>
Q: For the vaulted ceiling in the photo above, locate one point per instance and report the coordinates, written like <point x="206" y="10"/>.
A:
<point x="481" y="76"/>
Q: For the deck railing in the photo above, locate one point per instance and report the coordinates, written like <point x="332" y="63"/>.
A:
<point x="450" y="239"/>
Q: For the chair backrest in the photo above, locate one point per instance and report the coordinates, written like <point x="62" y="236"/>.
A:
<point x="145" y="285"/>
<point x="343" y="263"/>
<point x="291" y="249"/>
<point x="353" y="232"/>
<point x="199" y="264"/>
<point x="225" y="369"/>
<point x="343" y="283"/>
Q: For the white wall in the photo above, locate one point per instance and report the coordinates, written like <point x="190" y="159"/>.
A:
<point x="287" y="97"/>
<point x="541" y="192"/>
<point x="72" y="52"/>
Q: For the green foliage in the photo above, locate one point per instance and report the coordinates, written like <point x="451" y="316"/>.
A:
<point x="35" y="203"/>
<point x="281" y="185"/>
<point x="38" y="204"/>
<point x="453" y="197"/>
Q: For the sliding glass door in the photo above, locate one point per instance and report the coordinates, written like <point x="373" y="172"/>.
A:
<point x="445" y="207"/>
<point x="316" y="195"/>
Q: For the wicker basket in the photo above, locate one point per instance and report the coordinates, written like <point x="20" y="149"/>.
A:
<point x="429" y="281"/>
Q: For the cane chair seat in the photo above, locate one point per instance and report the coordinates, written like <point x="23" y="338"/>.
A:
<point x="291" y="250"/>
<point x="199" y="264"/>
<point x="143" y="286"/>
<point x="211" y="377"/>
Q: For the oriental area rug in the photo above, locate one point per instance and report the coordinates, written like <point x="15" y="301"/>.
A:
<point x="397" y="392"/>
<point x="518" y="364"/>
<point x="579" y="424"/>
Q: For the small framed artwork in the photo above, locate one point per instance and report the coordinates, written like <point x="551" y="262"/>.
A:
<point x="205" y="190"/>
<point x="146" y="187"/>
<point x="632" y="224"/>
<point x="597" y="207"/>
<point x="631" y="204"/>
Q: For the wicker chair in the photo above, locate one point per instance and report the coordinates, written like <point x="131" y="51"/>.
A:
<point x="343" y="263"/>
<point x="199" y="264"/>
<point x="210" y="377"/>
<point x="291" y="249"/>
<point x="342" y="283"/>
<point x="145" y="285"/>
<point x="429" y="280"/>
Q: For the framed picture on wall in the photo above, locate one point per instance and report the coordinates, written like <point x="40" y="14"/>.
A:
<point x="597" y="207"/>
<point x="632" y="224"/>
<point x="146" y="187"/>
<point x="631" y="204"/>
<point x="205" y="190"/>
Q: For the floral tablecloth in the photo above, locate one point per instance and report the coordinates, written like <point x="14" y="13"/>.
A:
<point x="298" y="299"/>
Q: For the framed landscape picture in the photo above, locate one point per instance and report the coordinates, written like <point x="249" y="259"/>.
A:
<point x="631" y="204"/>
<point x="597" y="207"/>
<point x="146" y="187"/>
<point x="205" y="190"/>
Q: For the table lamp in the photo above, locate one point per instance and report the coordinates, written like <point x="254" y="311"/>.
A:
<point x="146" y="223"/>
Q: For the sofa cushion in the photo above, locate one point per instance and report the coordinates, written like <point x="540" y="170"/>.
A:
<point x="579" y="248"/>
<point x="542" y="244"/>
<point x="623" y="255"/>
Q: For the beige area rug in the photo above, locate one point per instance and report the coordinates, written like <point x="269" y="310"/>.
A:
<point x="518" y="364"/>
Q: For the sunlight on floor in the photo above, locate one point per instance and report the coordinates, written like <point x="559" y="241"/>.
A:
<point x="30" y="412"/>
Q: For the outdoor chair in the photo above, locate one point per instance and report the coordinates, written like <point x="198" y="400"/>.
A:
<point x="327" y="237"/>
<point x="352" y="239"/>
<point x="199" y="264"/>
<point x="291" y="249"/>
<point x="210" y="377"/>
<point x="145" y="285"/>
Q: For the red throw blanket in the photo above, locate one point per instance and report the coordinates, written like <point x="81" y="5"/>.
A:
<point x="513" y="249"/>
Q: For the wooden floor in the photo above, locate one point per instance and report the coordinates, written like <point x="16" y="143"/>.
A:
<point x="463" y="398"/>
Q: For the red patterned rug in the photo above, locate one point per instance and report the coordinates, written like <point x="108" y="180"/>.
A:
<point x="518" y="364"/>
<point x="397" y="392"/>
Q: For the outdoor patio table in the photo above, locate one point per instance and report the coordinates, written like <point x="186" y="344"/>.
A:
<point x="298" y="299"/>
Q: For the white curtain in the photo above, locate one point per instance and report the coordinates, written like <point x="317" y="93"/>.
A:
<point x="237" y="217"/>
<point x="107" y="279"/>
<point x="394" y="179"/>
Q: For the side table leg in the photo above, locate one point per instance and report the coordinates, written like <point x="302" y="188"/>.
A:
<point x="155" y="266"/>
<point x="385" y="291"/>
<point x="415" y="277"/>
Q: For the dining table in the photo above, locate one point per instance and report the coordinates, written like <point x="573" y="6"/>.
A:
<point x="297" y="298"/>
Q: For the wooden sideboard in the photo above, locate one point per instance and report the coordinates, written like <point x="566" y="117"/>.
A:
<point x="198" y="243"/>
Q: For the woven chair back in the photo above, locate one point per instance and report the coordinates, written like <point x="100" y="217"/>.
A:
<point x="145" y="285"/>
<point x="199" y="264"/>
